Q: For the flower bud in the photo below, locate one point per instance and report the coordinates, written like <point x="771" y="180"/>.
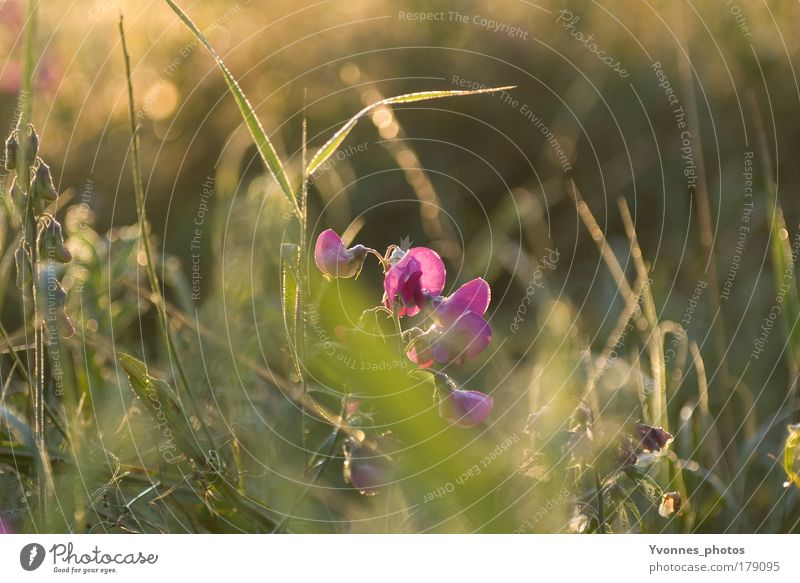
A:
<point x="582" y="415"/>
<point x="334" y="259"/>
<point x="652" y="439"/>
<point x="670" y="504"/>
<point x="12" y="150"/>
<point x="53" y="246"/>
<point x="465" y="408"/>
<point x="33" y="144"/>
<point x="365" y="468"/>
<point x="42" y="186"/>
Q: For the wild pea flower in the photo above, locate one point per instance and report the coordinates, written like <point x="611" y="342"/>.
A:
<point x="418" y="275"/>
<point x="463" y="340"/>
<point x="334" y="259"/>
<point x="413" y="281"/>
<point x="473" y="296"/>
<point x="465" y="408"/>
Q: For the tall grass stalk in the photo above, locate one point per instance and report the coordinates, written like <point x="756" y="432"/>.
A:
<point x="155" y="287"/>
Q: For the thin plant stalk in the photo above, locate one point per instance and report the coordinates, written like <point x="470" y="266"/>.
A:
<point x="152" y="276"/>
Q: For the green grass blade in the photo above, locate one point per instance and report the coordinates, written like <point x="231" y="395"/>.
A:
<point x="263" y="143"/>
<point x="163" y="404"/>
<point x="336" y="140"/>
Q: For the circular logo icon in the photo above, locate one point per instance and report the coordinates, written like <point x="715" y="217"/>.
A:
<point x="31" y="556"/>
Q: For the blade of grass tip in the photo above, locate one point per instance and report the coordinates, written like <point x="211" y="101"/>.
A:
<point x="335" y="141"/>
<point x="708" y="428"/>
<point x="439" y="233"/>
<point x="265" y="148"/>
<point x="606" y="252"/>
<point x="155" y="287"/>
<point x="654" y="336"/>
<point x="781" y="250"/>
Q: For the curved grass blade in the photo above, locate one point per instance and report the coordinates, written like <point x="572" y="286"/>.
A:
<point x="335" y="141"/>
<point x="265" y="148"/>
<point x="163" y="404"/>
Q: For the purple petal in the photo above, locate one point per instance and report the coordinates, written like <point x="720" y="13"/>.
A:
<point x="473" y="296"/>
<point x="418" y="273"/>
<point x="466" y="408"/>
<point x="466" y="338"/>
<point x="330" y="253"/>
<point x="433" y="272"/>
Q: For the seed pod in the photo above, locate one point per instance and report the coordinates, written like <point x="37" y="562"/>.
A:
<point x="33" y="144"/>
<point x="42" y="187"/>
<point x="12" y="149"/>
<point x="53" y="246"/>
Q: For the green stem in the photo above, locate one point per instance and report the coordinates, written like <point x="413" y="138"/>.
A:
<point x="149" y="267"/>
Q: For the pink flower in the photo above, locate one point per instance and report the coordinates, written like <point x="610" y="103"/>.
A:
<point x="418" y="275"/>
<point x="473" y="296"/>
<point x="466" y="408"/>
<point x="463" y="340"/>
<point x="334" y="259"/>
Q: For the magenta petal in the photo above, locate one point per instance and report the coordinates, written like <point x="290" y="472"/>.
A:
<point x="466" y="338"/>
<point x="334" y="259"/>
<point x="466" y="408"/>
<point x="418" y="273"/>
<point x="473" y="296"/>
<point x="433" y="272"/>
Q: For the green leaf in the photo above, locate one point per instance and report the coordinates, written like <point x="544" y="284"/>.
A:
<point x="164" y="407"/>
<point x="783" y="258"/>
<point x="265" y="148"/>
<point x="335" y="141"/>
